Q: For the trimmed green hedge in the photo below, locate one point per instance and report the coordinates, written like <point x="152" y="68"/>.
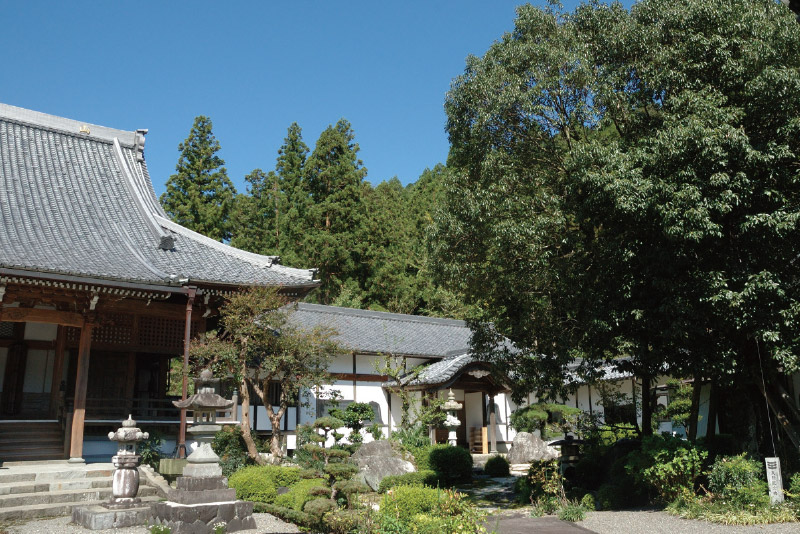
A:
<point x="260" y="483"/>
<point x="416" y="478"/>
<point x="300" y="493"/>
<point x="453" y="464"/>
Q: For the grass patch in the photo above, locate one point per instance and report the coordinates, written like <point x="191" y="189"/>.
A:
<point x="719" y="512"/>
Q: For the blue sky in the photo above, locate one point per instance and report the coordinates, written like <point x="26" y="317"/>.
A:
<point x="254" y="68"/>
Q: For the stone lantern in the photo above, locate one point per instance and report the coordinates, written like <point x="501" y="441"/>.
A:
<point x="452" y="422"/>
<point x="125" y="481"/>
<point x="205" y="404"/>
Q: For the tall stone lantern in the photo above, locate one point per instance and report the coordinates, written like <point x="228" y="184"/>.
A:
<point x="205" y="404"/>
<point x="125" y="481"/>
<point x="452" y="422"/>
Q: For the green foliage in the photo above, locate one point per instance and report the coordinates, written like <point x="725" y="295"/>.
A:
<point x="641" y="199"/>
<point x="453" y="465"/>
<point x="545" y="480"/>
<point x="253" y="484"/>
<point x="738" y="480"/>
<point x="298" y="357"/>
<point x="544" y="505"/>
<point x="159" y="529"/>
<point x="549" y="419"/>
<point x="318" y="507"/>
<point x="668" y="465"/>
<point x="612" y="497"/>
<point x="300" y="493"/>
<point x="150" y="449"/>
<point x="720" y="511"/>
<point x="420" y="509"/>
<point x="794" y="486"/>
<point x="572" y="512"/>
<point x="353" y="417"/>
<point x="680" y="403"/>
<point x="201" y="196"/>
<point x="497" y="466"/>
<point x="587" y="502"/>
<point x="376" y="431"/>
<point x="231" y="448"/>
<point x="424" y="477"/>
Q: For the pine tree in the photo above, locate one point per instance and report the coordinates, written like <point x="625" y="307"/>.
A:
<point x="201" y="196"/>
<point x="294" y="199"/>
<point x="334" y="223"/>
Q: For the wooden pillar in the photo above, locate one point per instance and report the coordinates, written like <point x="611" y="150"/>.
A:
<point x="58" y="371"/>
<point x="492" y="426"/>
<point x="81" y="384"/>
<point x="187" y="334"/>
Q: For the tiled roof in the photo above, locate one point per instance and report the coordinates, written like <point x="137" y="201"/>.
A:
<point x="438" y="372"/>
<point x="387" y="333"/>
<point x="77" y="200"/>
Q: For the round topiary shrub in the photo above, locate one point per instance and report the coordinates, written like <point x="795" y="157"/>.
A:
<point x="452" y="464"/>
<point x="497" y="466"/>
<point x="251" y="484"/>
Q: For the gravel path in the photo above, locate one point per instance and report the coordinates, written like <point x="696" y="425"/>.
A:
<point x="265" y="523"/>
<point x="655" y="522"/>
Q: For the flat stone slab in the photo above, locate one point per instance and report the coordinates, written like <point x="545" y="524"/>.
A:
<point x="98" y="517"/>
<point x="525" y="524"/>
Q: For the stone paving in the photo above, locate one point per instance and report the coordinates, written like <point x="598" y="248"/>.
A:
<point x="496" y="496"/>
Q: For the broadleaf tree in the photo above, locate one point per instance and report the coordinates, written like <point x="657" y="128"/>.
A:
<point x="258" y="344"/>
<point x="625" y="190"/>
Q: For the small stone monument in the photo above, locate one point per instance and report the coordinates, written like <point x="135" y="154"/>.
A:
<point x="124" y="509"/>
<point x="202" y="498"/>
<point x="452" y="422"/>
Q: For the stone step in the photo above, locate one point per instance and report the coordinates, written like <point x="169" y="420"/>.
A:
<point x="32" y="486"/>
<point x="46" y="472"/>
<point x="64" y="496"/>
<point x="39" y="511"/>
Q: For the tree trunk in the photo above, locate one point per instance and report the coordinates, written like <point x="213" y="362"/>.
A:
<point x="647" y="408"/>
<point x="252" y="451"/>
<point x="694" y="413"/>
<point x="780" y="416"/>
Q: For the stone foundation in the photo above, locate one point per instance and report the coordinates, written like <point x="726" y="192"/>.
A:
<point x="99" y="517"/>
<point x="201" y="518"/>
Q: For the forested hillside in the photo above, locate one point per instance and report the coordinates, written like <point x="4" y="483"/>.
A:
<point x="316" y="209"/>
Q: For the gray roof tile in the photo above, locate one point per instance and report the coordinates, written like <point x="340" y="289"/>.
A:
<point x="82" y="204"/>
<point x="368" y="331"/>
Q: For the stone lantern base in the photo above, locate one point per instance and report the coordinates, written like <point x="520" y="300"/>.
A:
<point x="99" y="517"/>
<point x="198" y="503"/>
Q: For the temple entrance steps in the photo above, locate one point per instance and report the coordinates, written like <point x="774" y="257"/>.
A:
<point x="34" y="490"/>
<point x="31" y="440"/>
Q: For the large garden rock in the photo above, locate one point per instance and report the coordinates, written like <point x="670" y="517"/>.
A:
<point x="377" y="460"/>
<point x="528" y="448"/>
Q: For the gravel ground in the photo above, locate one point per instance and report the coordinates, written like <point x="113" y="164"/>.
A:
<point x="265" y="522"/>
<point x="655" y="522"/>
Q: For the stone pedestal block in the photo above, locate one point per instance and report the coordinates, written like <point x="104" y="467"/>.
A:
<point x="99" y="517"/>
<point x="200" y="518"/>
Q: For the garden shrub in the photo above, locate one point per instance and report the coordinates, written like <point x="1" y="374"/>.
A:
<point x="522" y="490"/>
<point x="293" y="516"/>
<point x="545" y="479"/>
<point x="344" y="521"/>
<point x="572" y="512"/>
<point x="407" y="501"/>
<point x="668" y="465"/>
<point x="300" y="493"/>
<point x="794" y="486"/>
<point x="738" y="480"/>
<point x="452" y="464"/>
<point x="497" y="466"/>
<point x="587" y="501"/>
<point x="544" y="505"/>
<point x="589" y="473"/>
<point x="251" y="485"/>
<point x="229" y="445"/>
<point x="611" y="497"/>
<point x="317" y="508"/>
<point x="416" y="478"/>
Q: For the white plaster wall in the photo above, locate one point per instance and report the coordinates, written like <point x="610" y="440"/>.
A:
<point x="473" y="406"/>
<point x="38" y="371"/>
<point x="3" y="359"/>
<point x="342" y="363"/>
<point x="40" y="331"/>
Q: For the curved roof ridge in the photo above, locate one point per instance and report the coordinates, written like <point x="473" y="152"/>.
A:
<point x="66" y="126"/>
<point x="387" y="316"/>
<point x="251" y="257"/>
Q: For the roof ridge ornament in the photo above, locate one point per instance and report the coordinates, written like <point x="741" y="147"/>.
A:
<point x="138" y="143"/>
